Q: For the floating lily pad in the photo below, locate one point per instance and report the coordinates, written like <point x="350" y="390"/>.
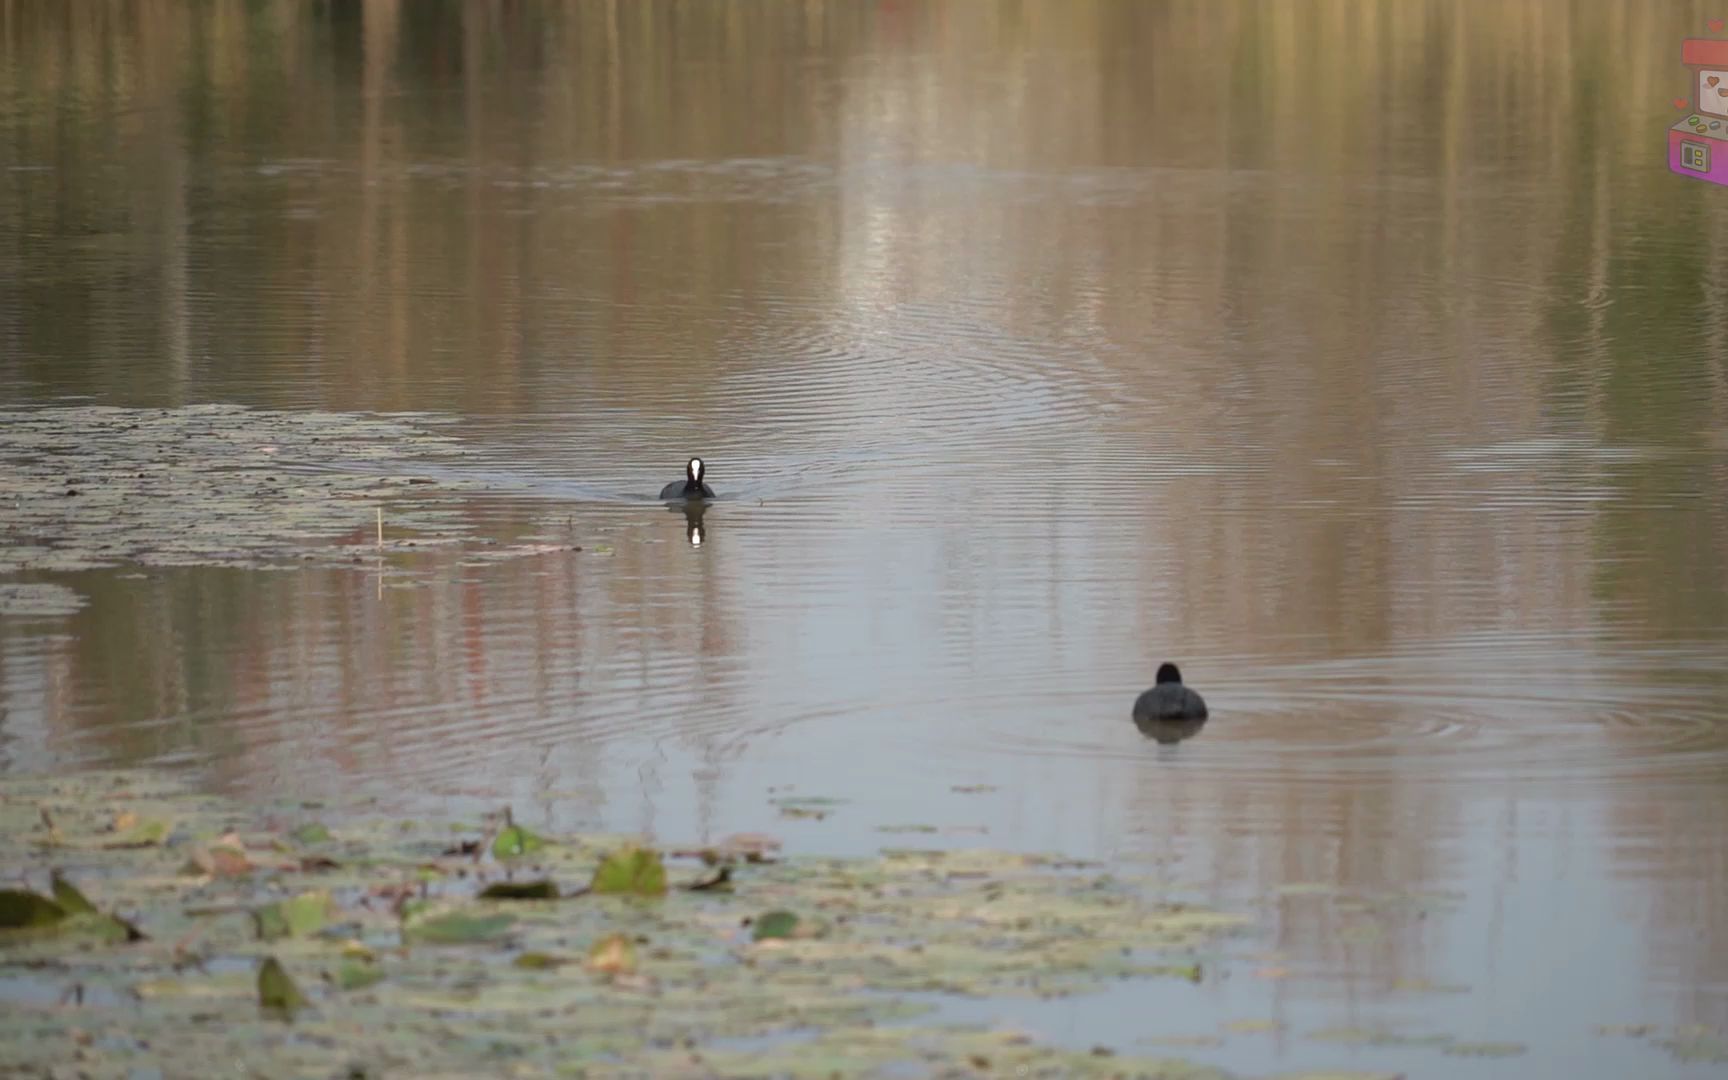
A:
<point x="775" y="924"/>
<point x="521" y="890"/>
<point x="68" y="897"/>
<point x="358" y="972"/>
<point x="277" y="993"/>
<point x="21" y="910"/>
<point x="457" y="928"/>
<point x="297" y="917"/>
<point x="632" y="871"/>
<point x="621" y="987"/>
<point x="514" y="841"/>
<point x="68" y="917"/>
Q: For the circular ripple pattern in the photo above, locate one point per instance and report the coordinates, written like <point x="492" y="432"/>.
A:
<point x="1497" y="710"/>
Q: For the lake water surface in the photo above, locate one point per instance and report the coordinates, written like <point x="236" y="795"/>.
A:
<point x="1363" y="358"/>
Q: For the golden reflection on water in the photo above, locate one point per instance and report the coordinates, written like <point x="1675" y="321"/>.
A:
<point x="1364" y="357"/>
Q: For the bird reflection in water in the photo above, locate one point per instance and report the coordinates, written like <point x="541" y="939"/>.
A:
<point x="694" y="530"/>
<point x="1168" y="732"/>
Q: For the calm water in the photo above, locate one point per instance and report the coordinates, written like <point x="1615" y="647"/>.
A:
<point x="1364" y="358"/>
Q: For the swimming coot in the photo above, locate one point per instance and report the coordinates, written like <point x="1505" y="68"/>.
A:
<point x="692" y="487"/>
<point x="1168" y="732"/>
<point x="1169" y="699"/>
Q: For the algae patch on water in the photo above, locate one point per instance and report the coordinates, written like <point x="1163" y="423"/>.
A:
<point x="404" y="949"/>
<point x="207" y="485"/>
<point x="42" y="600"/>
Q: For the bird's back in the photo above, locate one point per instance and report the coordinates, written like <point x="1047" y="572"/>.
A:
<point x="683" y="490"/>
<point x="1170" y="701"/>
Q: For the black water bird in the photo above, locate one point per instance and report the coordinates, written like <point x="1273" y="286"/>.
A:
<point x="1169" y="700"/>
<point x="691" y="487"/>
<point x="1169" y="732"/>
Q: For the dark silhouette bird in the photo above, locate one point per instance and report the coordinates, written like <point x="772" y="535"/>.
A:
<point x="1169" y="732"/>
<point x="691" y="487"/>
<point x="1169" y="700"/>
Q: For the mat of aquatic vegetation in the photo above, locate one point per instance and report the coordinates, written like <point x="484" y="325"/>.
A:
<point x="210" y="485"/>
<point x="37" y="598"/>
<point x="149" y="927"/>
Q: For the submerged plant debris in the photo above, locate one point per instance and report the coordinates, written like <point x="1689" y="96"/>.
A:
<point x="210" y="485"/>
<point x="37" y="599"/>
<point x="284" y="944"/>
<point x="327" y="947"/>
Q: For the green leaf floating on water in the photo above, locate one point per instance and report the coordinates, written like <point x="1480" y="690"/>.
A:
<point x="68" y="916"/>
<point x="68" y="897"/>
<point x="631" y="871"/>
<point x="102" y="929"/>
<point x="277" y="993"/>
<point x="515" y="841"/>
<point x="300" y="916"/>
<point x="871" y="935"/>
<point x="545" y="889"/>
<point x="456" y="928"/>
<point x="357" y="973"/>
<point x="20" y="910"/>
<point x="776" y="924"/>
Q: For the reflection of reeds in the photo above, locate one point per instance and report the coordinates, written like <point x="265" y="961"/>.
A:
<point x="1529" y="224"/>
<point x="1542" y="92"/>
<point x="1458" y="213"/>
